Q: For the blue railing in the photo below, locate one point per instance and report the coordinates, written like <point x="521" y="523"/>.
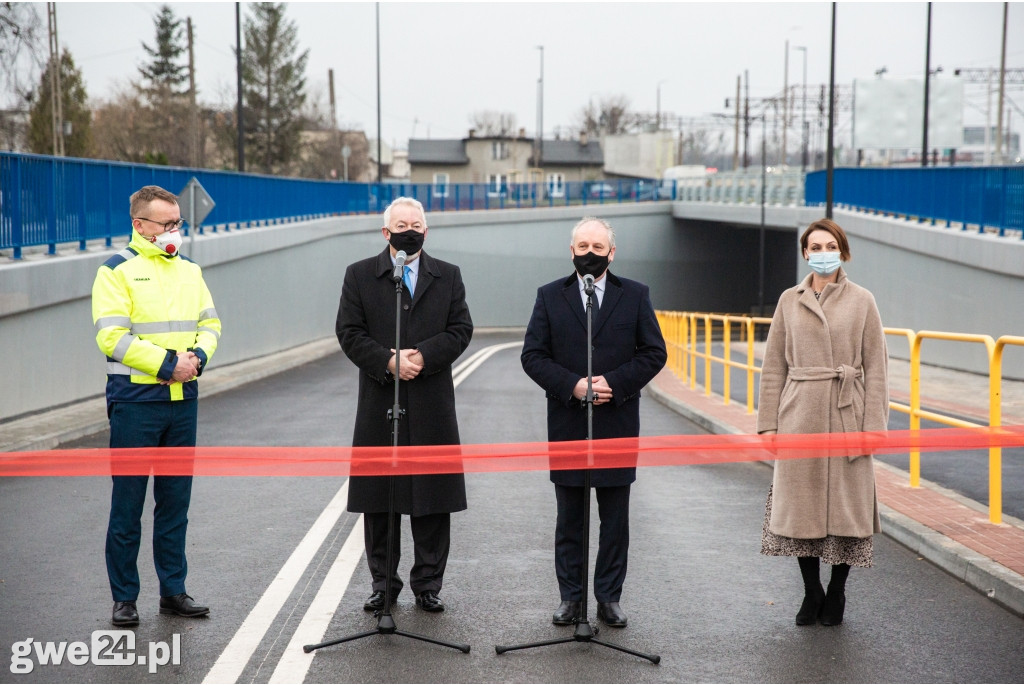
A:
<point x="56" y="200"/>
<point x="979" y="197"/>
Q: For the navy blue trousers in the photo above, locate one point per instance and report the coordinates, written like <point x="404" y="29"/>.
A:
<point x="149" y="424"/>
<point x="612" y="548"/>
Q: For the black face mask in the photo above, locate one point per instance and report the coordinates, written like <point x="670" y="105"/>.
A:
<point x="590" y="263"/>
<point x="409" y="241"/>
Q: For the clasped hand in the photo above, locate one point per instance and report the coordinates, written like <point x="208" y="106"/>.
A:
<point x="602" y="391"/>
<point x="186" y="367"/>
<point x="411" y="365"/>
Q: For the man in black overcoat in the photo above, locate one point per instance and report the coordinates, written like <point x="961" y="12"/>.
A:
<point x="435" y="329"/>
<point x="628" y="351"/>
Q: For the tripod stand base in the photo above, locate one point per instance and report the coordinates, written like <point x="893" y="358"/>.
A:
<point x="584" y="633"/>
<point x="386" y="626"/>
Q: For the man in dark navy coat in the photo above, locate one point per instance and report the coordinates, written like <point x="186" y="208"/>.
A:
<point x="628" y="351"/>
<point x="435" y="328"/>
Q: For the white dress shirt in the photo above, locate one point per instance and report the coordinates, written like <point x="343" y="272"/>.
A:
<point x="598" y="291"/>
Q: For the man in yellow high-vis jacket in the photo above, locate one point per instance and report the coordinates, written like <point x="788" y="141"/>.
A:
<point x="156" y="323"/>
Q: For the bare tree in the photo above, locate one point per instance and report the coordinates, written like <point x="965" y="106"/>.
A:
<point x="609" y="116"/>
<point x="490" y="122"/>
<point x="21" y="49"/>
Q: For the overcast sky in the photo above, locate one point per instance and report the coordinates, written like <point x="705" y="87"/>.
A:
<point x="440" y="62"/>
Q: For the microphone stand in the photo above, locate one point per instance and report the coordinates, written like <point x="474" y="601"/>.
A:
<point x="584" y="632"/>
<point x="385" y="622"/>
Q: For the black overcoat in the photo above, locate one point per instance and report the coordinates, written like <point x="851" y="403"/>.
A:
<point x="436" y="322"/>
<point x="629" y="351"/>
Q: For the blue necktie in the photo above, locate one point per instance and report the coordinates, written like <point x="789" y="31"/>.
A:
<point x="407" y="279"/>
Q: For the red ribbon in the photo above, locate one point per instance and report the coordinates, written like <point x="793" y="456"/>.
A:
<point x="667" y="450"/>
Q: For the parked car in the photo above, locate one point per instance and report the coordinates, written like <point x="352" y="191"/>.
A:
<point x="602" y="190"/>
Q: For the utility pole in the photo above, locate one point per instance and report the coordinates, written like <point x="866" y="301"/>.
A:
<point x="1002" y="90"/>
<point x="56" y="91"/>
<point x="239" y="118"/>
<point x="380" y="160"/>
<point x="927" y="81"/>
<point x="736" y="133"/>
<point x="746" y="120"/>
<point x="539" y="145"/>
<point x="829" y="164"/>
<point x="785" y="104"/>
<point x="334" y="116"/>
<point x="194" y="112"/>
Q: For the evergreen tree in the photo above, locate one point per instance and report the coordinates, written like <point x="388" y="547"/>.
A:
<point x="77" y="142"/>
<point x="164" y="75"/>
<point x="274" y="81"/>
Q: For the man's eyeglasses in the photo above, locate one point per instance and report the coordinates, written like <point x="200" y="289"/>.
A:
<point x="168" y="226"/>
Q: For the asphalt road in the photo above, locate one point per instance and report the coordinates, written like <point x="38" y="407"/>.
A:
<point x="279" y="561"/>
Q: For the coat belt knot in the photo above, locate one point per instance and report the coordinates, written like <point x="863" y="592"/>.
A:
<point x="844" y="373"/>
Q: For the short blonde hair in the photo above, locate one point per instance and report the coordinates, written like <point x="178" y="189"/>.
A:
<point x="141" y="198"/>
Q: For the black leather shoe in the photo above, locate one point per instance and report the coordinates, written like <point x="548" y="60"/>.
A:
<point x="611" y="614"/>
<point x="375" y="602"/>
<point x="182" y="605"/>
<point x="810" y="608"/>
<point x="429" y="601"/>
<point x="832" y="608"/>
<point x="566" y="614"/>
<point x="125" y="614"/>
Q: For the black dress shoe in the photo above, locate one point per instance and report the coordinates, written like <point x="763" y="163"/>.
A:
<point x="182" y="605"/>
<point x="125" y="614"/>
<point x="375" y="602"/>
<point x="566" y="614"/>
<point x="611" y="614"/>
<point x="429" y="601"/>
<point x="810" y="608"/>
<point x="832" y="608"/>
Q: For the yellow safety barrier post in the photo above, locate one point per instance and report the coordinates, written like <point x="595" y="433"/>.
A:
<point x="995" y="454"/>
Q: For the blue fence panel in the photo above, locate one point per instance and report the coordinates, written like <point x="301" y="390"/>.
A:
<point x="57" y="200"/>
<point x="981" y="196"/>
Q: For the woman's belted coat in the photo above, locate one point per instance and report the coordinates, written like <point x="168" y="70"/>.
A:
<point x="825" y="371"/>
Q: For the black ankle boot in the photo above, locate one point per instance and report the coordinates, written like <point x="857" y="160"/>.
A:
<point x="810" y="608"/>
<point x="835" y="599"/>
<point x="814" y="594"/>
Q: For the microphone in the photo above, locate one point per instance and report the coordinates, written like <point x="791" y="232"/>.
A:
<point x="588" y="284"/>
<point x="400" y="258"/>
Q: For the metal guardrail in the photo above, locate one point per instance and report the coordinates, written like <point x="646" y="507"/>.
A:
<point x="56" y="200"/>
<point x="976" y="198"/>
<point x="680" y="330"/>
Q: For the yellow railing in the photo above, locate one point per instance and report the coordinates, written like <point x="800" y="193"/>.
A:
<point x="681" y="331"/>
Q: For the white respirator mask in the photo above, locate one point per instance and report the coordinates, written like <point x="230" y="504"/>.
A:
<point x="168" y="241"/>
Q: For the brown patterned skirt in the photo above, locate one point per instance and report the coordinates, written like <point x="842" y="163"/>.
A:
<point x="831" y="549"/>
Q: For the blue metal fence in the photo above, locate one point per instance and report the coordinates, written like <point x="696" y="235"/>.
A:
<point x="55" y="200"/>
<point x="990" y="197"/>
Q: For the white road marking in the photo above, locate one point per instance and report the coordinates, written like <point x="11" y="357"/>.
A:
<point x="294" y="663"/>
<point x="236" y="655"/>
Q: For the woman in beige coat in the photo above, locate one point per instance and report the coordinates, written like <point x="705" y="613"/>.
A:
<point x="824" y="371"/>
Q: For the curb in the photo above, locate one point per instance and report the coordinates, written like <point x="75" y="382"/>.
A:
<point x="988" y="577"/>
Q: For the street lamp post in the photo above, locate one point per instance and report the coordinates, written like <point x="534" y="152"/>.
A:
<point x="538" y="155"/>
<point x="803" y="108"/>
<point x="658" y="115"/>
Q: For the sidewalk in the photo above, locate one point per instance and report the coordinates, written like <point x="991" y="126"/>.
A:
<point x="949" y="530"/>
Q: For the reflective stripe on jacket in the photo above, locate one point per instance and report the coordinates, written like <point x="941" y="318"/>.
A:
<point x="147" y="307"/>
